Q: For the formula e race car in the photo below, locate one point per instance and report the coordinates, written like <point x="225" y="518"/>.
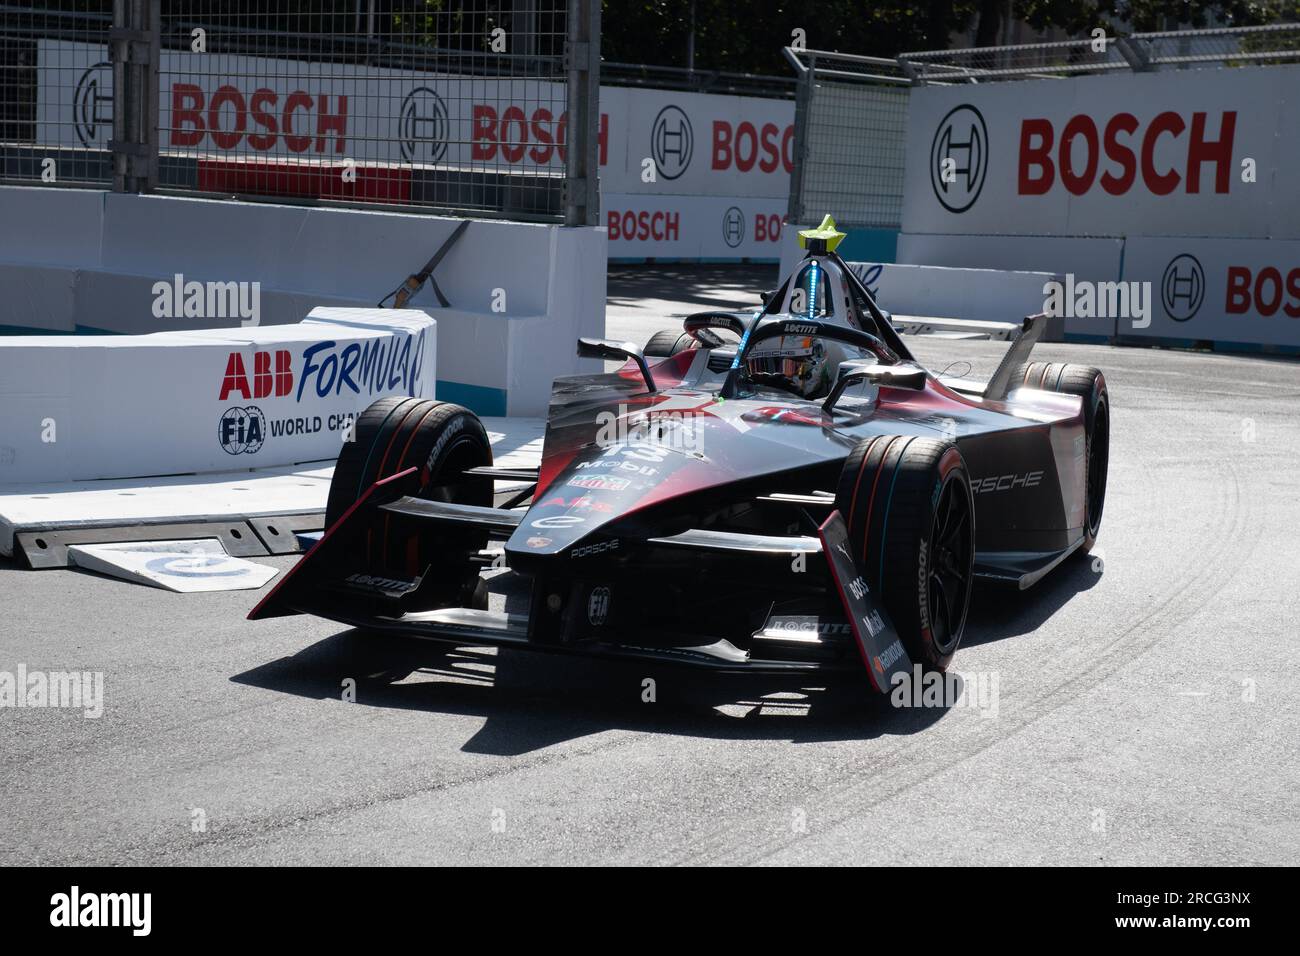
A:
<point x="776" y="491"/>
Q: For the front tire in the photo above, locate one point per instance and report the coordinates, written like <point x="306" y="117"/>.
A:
<point x="908" y="507"/>
<point x="442" y="440"/>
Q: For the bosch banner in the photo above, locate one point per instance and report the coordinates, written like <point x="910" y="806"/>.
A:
<point x="281" y="108"/>
<point x="1196" y="152"/>
<point x="658" y="151"/>
<point x="1222" y="290"/>
<point x="692" y="226"/>
<point x="696" y="175"/>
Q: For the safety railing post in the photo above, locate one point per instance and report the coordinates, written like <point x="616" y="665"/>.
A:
<point x="582" y="65"/>
<point x="134" y="45"/>
<point x="803" y="98"/>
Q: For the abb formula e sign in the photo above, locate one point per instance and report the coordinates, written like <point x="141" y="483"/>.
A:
<point x="650" y="143"/>
<point x="296" y="395"/>
<point x="235" y="398"/>
<point x="1194" y="152"/>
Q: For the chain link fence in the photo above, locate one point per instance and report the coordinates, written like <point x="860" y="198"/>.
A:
<point x="697" y="81"/>
<point x="479" y="106"/>
<point x="851" y="111"/>
<point x="850" y="138"/>
<point x="48" y="96"/>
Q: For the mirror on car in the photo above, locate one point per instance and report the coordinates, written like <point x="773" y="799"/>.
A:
<point x="890" y="376"/>
<point x="609" y="349"/>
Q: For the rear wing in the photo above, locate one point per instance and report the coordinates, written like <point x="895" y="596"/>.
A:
<point x="955" y="328"/>
<point x="1011" y="368"/>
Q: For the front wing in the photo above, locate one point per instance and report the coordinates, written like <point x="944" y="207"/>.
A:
<point x="607" y="609"/>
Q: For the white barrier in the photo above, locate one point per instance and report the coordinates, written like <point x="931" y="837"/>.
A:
<point x="984" y="295"/>
<point x="1237" y="291"/>
<point x="1095" y="260"/>
<point x="948" y="289"/>
<point x="521" y="293"/>
<point x="1204" y="152"/>
<point x="213" y="499"/>
<point x="88" y="407"/>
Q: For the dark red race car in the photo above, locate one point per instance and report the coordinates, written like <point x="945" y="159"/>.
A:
<point x="779" y="491"/>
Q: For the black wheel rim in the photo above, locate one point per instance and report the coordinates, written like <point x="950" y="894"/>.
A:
<point x="464" y="453"/>
<point x="952" y="558"/>
<point x="1098" y="462"/>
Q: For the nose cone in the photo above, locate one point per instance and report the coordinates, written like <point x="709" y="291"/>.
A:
<point x="601" y="485"/>
<point x="691" y="442"/>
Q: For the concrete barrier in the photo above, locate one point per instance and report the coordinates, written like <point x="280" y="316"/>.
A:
<point x="92" y="407"/>
<point x="985" y="295"/>
<point x="1240" y="294"/>
<point x="942" y="291"/>
<point x="1093" y="259"/>
<point x="521" y="293"/>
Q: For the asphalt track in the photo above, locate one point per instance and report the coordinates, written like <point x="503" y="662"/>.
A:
<point x="1146" y="712"/>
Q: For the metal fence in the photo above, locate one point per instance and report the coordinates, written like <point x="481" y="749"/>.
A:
<point x="697" y="80"/>
<point x="47" y="98"/>
<point x="479" y="106"/>
<point x="850" y="138"/>
<point x="1140" y="52"/>
<point x="851" y="111"/>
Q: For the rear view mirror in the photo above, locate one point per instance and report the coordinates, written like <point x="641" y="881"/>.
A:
<point x="891" y="376"/>
<point x="609" y="349"/>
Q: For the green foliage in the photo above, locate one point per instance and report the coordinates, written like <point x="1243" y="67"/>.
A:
<point x="1135" y="16"/>
<point x="742" y="36"/>
<point x="746" y="36"/>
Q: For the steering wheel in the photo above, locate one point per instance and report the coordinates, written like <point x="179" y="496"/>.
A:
<point x="773" y="380"/>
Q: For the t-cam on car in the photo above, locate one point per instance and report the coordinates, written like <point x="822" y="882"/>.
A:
<point x="778" y="491"/>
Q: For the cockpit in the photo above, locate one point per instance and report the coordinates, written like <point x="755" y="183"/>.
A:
<point x="820" y="317"/>
<point x="822" y="289"/>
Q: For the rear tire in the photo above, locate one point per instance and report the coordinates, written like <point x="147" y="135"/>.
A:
<point x="1090" y="385"/>
<point x="392" y="435"/>
<point x="908" y="507"/>
<point x="668" y="343"/>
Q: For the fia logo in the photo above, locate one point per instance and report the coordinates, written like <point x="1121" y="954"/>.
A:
<point x="598" y="606"/>
<point x="242" y="431"/>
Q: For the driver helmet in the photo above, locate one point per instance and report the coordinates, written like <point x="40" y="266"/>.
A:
<point x="803" y="364"/>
